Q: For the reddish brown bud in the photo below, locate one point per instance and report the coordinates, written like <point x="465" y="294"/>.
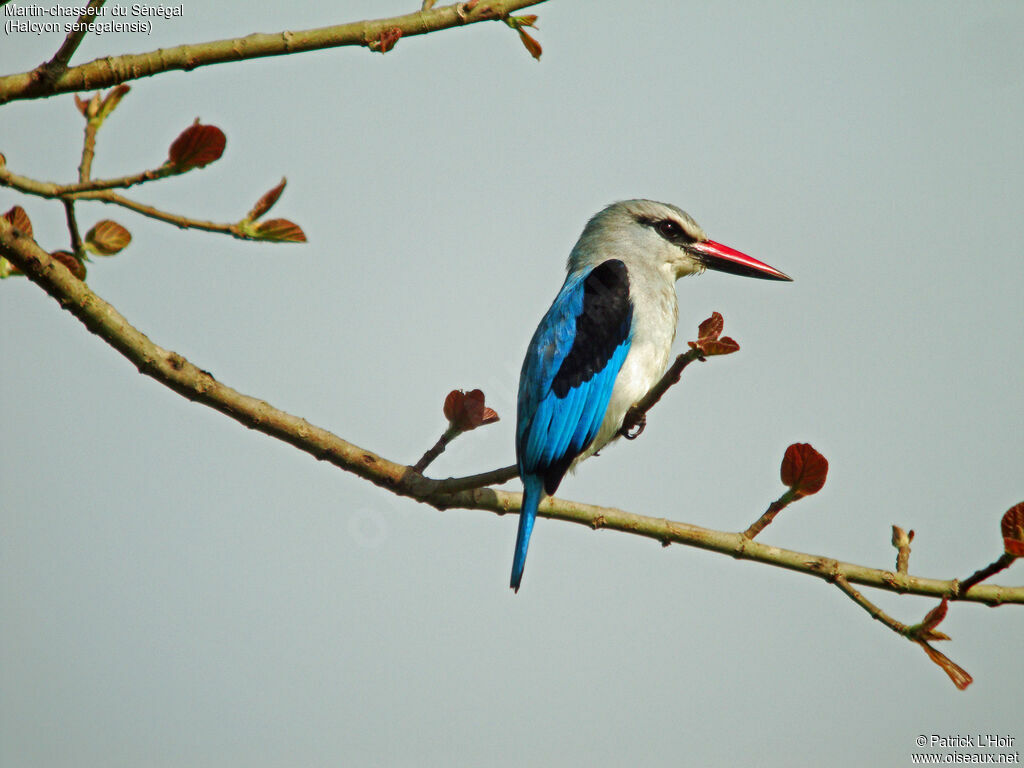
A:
<point x="708" y="342"/>
<point x="530" y="44"/>
<point x="196" y="146"/>
<point x="266" y="202"/>
<point x="901" y="538"/>
<point x="386" y="40"/>
<point x="466" y="410"/>
<point x="107" y="238"/>
<point x="19" y="220"/>
<point x="1013" y="530"/>
<point x="803" y="469"/>
<point x="723" y="346"/>
<point x="280" y="230"/>
<point x="932" y="619"/>
<point x="68" y="259"/>
<point x="111" y="100"/>
<point x="712" y="327"/>
<point x="960" y="676"/>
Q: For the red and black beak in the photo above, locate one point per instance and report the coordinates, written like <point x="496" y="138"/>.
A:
<point x="722" y="258"/>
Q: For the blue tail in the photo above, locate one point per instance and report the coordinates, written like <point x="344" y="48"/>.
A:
<point x="533" y="486"/>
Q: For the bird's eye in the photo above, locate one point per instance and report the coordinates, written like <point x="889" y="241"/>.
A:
<point x="669" y="229"/>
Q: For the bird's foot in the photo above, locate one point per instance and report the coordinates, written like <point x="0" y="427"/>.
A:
<point x="633" y="431"/>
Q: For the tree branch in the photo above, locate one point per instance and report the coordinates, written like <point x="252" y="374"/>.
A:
<point x="51" y="189"/>
<point x="436" y="450"/>
<point x="873" y="610"/>
<point x="76" y="237"/>
<point x="58" y="65"/>
<point x="183" y="222"/>
<point x="901" y="540"/>
<point x="92" y="127"/>
<point x="177" y="373"/>
<point x="468" y="483"/>
<point x="100" y="191"/>
<point x="111" y="70"/>
<point x="918" y="633"/>
<point x="1001" y="563"/>
<point x="769" y="515"/>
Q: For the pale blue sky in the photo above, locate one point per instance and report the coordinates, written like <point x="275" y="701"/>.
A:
<point x="177" y="590"/>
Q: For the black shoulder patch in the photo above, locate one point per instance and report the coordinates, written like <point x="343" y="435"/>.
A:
<point x="553" y="475"/>
<point x="600" y="328"/>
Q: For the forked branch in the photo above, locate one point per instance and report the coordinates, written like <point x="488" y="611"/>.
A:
<point x="378" y="34"/>
<point x="175" y="372"/>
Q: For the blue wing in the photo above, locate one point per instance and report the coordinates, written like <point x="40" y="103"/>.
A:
<point x="570" y="370"/>
<point x="566" y="382"/>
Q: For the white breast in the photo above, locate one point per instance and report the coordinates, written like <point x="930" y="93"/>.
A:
<point x="654" y="329"/>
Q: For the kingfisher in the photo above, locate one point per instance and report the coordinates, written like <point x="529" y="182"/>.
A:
<point x="606" y="340"/>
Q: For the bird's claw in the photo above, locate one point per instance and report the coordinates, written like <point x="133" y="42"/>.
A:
<point x="638" y="425"/>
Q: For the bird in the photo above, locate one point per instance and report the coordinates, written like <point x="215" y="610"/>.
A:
<point x="606" y="340"/>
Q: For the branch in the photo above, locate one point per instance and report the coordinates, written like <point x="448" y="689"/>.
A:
<point x="438" y="448"/>
<point x="482" y="480"/>
<point x="49" y="189"/>
<point x="76" y="237"/>
<point x="769" y="515"/>
<point x="709" y="343"/>
<point x="917" y="633"/>
<point x="873" y="610"/>
<point x="58" y="65"/>
<point x="183" y="222"/>
<point x="196" y="146"/>
<point x="92" y="127"/>
<point x="901" y="540"/>
<point x="175" y="372"/>
<point x="101" y="192"/>
<point x="111" y="70"/>
<point x="465" y="412"/>
<point x="1002" y="562"/>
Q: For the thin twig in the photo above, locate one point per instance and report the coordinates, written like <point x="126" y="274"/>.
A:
<point x="917" y="633"/>
<point x="901" y="540"/>
<point x="442" y="442"/>
<point x="482" y="480"/>
<point x="769" y="514"/>
<point x="635" y="415"/>
<point x="876" y="613"/>
<point x="183" y="222"/>
<point x="92" y="127"/>
<point x="31" y="186"/>
<point x="991" y="569"/>
<point x="105" y="195"/>
<point x="49" y="189"/>
<point x="76" y="237"/>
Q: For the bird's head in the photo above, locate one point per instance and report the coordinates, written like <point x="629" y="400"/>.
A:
<point x="644" y="232"/>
